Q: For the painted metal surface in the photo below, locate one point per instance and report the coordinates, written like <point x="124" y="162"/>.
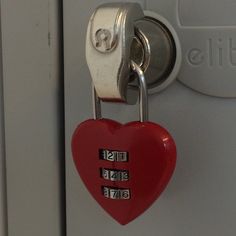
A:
<point x="3" y="196"/>
<point x="32" y="85"/>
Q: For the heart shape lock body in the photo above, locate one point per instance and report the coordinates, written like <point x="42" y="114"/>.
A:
<point x="151" y="162"/>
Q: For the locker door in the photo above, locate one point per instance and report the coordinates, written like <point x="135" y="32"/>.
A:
<point x="200" y="199"/>
<point x="31" y="123"/>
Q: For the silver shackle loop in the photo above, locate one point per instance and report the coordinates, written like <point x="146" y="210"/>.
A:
<point x="143" y="96"/>
<point x="143" y="92"/>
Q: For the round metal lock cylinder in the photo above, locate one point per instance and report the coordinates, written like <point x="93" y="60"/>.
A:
<point x="156" y="49"/>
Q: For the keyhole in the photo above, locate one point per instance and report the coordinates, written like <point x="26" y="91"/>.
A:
<point x="103" y="37"/>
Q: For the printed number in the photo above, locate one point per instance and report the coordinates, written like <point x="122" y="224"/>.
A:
<point x="114" y="175"/>
<point x="106" y="192"/>
<point x="105" y="174"/>
<point x="125" y="194"/>
<point x="110" y="156"/>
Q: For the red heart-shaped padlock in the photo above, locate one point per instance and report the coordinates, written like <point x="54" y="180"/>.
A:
<point x="124" y="167"/>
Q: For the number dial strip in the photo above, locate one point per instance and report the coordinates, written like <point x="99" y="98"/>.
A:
<point x="114" y="175"/>
<point x="116" y="193"/>
<point x="113" y="156"/>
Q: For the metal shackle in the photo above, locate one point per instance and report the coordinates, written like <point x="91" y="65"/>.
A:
<point x="143" y="96"/>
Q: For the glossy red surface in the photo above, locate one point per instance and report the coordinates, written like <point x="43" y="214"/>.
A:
<point x="152" y="158"/>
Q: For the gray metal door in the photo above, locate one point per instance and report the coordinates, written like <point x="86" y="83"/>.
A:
<point x="200" y="200"/>
<point x="31" y="119"/>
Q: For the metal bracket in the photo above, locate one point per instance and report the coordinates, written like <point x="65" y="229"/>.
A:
<point x="120" y="32"/>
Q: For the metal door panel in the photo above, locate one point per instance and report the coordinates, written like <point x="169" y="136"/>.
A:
<point x="200" y="199"/>
<point x="3" y="202"/>
<point x="33" y="116"/>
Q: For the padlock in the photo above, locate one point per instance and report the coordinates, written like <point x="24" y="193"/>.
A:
<point x="125" y="167"/>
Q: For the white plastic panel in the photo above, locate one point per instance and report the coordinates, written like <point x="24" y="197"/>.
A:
<point x="207" y="31"/>
<point x="200" y="200"/>
<point x="206" y="13"/>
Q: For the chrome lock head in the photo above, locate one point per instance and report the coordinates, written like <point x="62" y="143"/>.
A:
<point x="109" y="38"/>
<point x="119" y="33"/>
